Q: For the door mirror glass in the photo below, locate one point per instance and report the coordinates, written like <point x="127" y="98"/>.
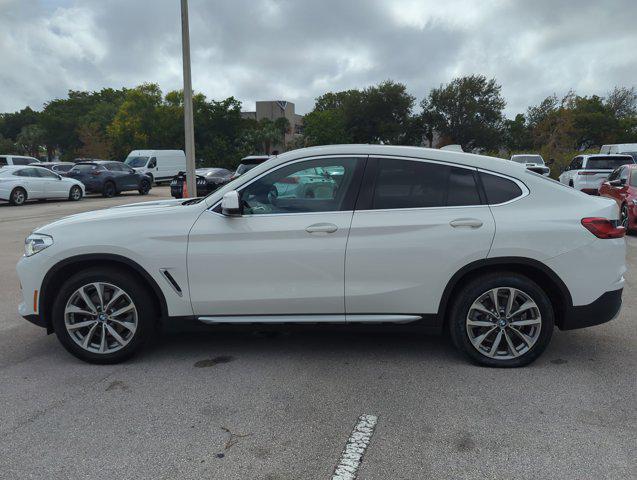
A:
<point x="230" y="204"/>
<point x="620" y="182"/>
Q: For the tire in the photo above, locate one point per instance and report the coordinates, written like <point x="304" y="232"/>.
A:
<point x="623" y="216"/>
<point x="109" y="190"/>
<point x="75" y="194"/>
<point x="468" y="326"/>
<point x="144" y="187"/>
<point x="152" y="179"/>
<point x="18" y="196"/>
<point x="139" y="320"/>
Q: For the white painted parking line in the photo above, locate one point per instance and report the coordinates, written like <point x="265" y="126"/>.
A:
<point x="355" y="448"/>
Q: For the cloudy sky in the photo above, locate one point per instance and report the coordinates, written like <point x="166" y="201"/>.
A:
<point x="297" y="49"/>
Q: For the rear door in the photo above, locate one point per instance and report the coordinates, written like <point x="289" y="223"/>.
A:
<point x="416" y="223"/>
<point x="33" y="182"/>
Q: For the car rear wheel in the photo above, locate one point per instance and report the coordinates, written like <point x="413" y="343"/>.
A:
<point x="75" y="193"/>
<point x="18" y="196"/>
<point x="501" y="320"/>
<point x="144" y="187"/>
<point x="109" y="190"/>
<point x="102" y="315"/>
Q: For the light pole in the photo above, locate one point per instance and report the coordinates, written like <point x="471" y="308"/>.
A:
<point x="188" y="117"/>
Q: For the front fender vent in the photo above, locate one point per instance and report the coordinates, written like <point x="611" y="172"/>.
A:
<point x="171" y="280"/>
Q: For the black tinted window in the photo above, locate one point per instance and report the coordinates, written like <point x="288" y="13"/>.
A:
<point x="3" y="161"/>
<point x="21" y="161"/>
<point x="44" y="173"/>
<point x="415" y="184"/>
<point x="607" y="163"/>
<point x="498" y="189"/>
<point x="85" y="167"/>
<point x="462" y="188"/>
<point x="62" y="168"/>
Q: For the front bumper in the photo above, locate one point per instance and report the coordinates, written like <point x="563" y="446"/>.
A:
<point x="602" y="310"/>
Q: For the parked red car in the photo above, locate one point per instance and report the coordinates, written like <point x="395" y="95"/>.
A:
<point x="621" y="186"/>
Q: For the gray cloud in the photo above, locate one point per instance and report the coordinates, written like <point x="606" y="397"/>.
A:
<point x="296" y="50"/>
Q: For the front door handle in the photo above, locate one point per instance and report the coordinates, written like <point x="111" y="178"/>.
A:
<point x="466" y="222"/>
<point x="321" y="228"/>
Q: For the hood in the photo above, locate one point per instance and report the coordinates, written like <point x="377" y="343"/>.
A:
<point x="120" y="212"/>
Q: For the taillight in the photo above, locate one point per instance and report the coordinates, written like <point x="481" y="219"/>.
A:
<point x="603" y="227"/>
<point x="587" y="173"/>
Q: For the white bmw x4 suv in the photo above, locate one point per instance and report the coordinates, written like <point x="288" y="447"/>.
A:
<point x="362" y="234"/>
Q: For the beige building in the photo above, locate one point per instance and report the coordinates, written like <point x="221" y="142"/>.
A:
<point x="273" y="109"/>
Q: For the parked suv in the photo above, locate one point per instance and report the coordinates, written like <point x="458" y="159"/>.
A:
<point x="495" y="253"/>
<point x="587" y="172"/>
<point x="109" y="178"/>
<point x="533" y="162"/>
<point x="207" y="180"/>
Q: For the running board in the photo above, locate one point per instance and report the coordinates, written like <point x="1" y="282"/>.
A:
<point x="358" y="318"/>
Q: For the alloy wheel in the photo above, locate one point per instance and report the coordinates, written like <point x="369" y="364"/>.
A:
<point x="76" y="193"/>
<point x="624" y="217"/>
<point x="503" y="323"/>
<point x="19" y="197"/>
<point x="100" y="317"/>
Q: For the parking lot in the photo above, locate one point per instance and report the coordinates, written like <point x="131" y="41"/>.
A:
<point x="243" y="403"/>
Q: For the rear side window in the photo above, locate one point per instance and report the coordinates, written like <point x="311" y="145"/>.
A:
<point x="417" y="184"/>
<point x="21" y="161"/>
<point x="499" y="189"/>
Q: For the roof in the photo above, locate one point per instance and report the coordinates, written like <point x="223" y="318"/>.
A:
<point x="461" y="158"/>
<point x="96" y="162"/>
<point x="41" y="164"/>
<point x="606" y="155"/>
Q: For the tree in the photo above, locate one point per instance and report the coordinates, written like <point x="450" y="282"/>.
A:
<point x="377" y="114"/>
<point x="517" y="134"/>
<point x="622" y="102"/>
<point x="11" y="124"/>
<point x="30" y="138"/>
<point x="468" y="111"/>
<point x="94" y="143"/>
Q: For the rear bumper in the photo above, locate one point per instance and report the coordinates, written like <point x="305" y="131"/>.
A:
<point x="602" y="310"/>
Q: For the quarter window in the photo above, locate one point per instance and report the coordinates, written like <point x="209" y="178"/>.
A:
<point x="418" y="184"/>
<point x="498" y="189"/>
<point x="324" y="185"/>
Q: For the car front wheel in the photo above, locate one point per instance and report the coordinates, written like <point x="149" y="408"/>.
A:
<point x="501" y="320"/>
<point x="75" y="193"/>
<point x="109" y="190"/>
<point x="102" y="315"/>
<point x="144" y="187"/>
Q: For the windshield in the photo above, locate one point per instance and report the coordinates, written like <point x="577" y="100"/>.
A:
<point x="528" y="159"/>
<point x="136" y="162"/>
<point x="607" y="163"/>
<point x="244" y="167"/>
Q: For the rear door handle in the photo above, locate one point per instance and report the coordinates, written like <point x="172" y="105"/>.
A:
<point x="466" y="222"/>
<point x="321" y="228"/>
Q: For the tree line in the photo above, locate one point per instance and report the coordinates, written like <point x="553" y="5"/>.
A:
<point x="468" y="111"/>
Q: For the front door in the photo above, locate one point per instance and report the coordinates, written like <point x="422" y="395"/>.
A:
<point x="285" y="254"/>
<point x="416" y="223"/>
<point x="53" y="186"/>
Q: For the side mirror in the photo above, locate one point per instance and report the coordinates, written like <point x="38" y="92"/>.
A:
<point x="620" y="182"/>
<point x="230" y="205"/>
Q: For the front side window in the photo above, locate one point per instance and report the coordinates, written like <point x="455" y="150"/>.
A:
<point x="44" y="173"/>
<point x="417" y="184"/>
<point x="152" y="163"/>
<point x="3" y="161"/>
<point x="614" y="175"/>
<point x="576" y="164"/>
<point x="21" y="161"/>
<point x="321" y="185"/>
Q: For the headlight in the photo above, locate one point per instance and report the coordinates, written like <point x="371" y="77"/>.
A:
<point x="36" y="242"/>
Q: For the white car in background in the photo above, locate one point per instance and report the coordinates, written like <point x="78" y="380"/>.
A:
<point x="404" y="235"/>
<point x="587" y="172"/>
<point x="625" y="148"/>
<point x="19" y="184"/>
<point x="16" y="160"/>
<point x="533" y="162"/>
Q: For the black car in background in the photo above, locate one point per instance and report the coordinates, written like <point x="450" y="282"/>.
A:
<point x="61" y="168"/>
<point x="248" y="163"/>
<point x="109" y="177"/>
<point x="208" y="180"/>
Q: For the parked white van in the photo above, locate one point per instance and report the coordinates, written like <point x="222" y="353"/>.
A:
<point x="159" y="165"/>
<point x="627" y="148"/>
